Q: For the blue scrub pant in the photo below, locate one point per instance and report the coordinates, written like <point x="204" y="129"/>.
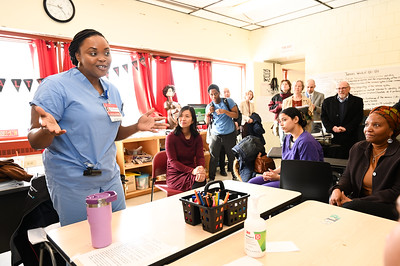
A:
<point x="70" y="203"/>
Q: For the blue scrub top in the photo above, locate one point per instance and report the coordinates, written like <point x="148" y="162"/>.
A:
<point x="78" y="108"/>
<point x="222" y="124"/>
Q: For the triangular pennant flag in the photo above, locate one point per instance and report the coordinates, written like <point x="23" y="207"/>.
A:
<point x="28" y="83"/>
<point x="125" y="66"/>
<point x="2" y="81"/>
<point x="134" y="63"/>
<point x="116" y="69"/>
<point x="143" y="61"/>
<point x="39" y="80"/>
<point x="17" y="83"/>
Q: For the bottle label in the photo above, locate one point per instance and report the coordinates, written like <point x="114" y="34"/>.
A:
<point x="255" y="241"/>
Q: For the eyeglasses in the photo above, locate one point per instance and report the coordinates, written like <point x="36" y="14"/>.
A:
<point x="342" y="88"/>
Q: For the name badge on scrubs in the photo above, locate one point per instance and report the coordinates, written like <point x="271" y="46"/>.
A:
<point x="113" y="112"/>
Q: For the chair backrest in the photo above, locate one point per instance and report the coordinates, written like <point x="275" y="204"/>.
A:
<point x="159" y="164"/>
<point x="312" y="179"/>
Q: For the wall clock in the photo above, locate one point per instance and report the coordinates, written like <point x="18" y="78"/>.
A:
<point x="59" y="10"/>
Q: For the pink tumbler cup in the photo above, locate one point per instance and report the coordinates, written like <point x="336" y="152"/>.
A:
<point x="99" y="211"/>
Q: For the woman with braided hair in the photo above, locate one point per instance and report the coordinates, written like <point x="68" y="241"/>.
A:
<point x="371" y="181"/>
<point x="76" y="117"/>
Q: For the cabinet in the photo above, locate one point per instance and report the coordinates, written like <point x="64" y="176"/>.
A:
<point x="151" y="144"/>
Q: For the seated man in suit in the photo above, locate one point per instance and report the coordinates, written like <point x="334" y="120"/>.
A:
<point x="341" y="115"/>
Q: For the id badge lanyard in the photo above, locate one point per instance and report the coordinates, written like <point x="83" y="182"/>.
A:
<point x="112" y="110"/>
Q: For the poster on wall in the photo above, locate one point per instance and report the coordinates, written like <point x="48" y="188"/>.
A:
<point x="377" y="86"/>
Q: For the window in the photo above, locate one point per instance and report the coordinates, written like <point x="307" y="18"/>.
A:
<point x="186" y="79"/>
<point x="14" y="101"/>
<point x="124" y="82"/>
<point x="229" y="76"/>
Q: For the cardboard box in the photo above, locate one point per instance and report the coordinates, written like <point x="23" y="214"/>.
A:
<point x="130" y="184"/>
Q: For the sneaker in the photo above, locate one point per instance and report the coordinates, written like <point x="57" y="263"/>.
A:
<point x="223" y="173"/>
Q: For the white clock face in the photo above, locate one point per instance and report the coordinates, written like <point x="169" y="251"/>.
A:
<point x="59" y="10"/>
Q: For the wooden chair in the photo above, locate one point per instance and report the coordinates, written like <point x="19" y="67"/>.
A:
<point x="160" y="168"/>
<point x="312" y="179"/>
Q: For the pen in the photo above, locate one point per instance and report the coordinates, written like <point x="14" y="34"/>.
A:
<point x="226" y="197"/>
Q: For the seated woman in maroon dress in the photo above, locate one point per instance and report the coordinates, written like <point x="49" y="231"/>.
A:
<point x="184" y="146"/>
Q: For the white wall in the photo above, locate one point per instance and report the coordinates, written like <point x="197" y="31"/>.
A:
<point x="362" y="35"/>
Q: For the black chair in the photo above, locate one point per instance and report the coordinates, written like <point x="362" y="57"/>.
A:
<point x="312" y="179"/>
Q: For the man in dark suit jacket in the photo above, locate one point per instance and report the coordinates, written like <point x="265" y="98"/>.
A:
<point x="342" y="115"/>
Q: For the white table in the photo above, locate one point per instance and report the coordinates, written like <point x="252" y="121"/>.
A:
<point x="163" y="219"/>
<point x="354" y="239"/>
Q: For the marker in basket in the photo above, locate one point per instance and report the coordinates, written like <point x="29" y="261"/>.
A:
<point x="201" y="199"/>
<point x="226" y="197"/>
<point x="197" y="197"/>
<point x="208" y="201"/>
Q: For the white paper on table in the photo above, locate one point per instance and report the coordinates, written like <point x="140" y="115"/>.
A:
<point x="141" y="251"/>
<point x="246" y="260"/>
<point x="39" y="235"/>
<point x="281" y="246"/>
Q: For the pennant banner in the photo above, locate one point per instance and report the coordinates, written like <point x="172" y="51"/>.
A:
<point x="143" y="61"/>
<point x="116" y="69"/>
<point x="125" y="66"/>
<point x="2" y="81"/>
<point x="28" y="83"/>
<point x="134" y="63"/>
<point x="39" y="80"/>
<point x="17" y="83"/>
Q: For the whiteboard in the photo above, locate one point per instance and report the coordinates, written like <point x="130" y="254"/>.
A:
<point x="377" y="86"/>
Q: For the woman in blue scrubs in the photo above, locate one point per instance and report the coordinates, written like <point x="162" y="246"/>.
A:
<point x="76" y="117"/>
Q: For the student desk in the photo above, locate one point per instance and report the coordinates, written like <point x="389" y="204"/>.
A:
<point x="354" y="239"/>
<point x="12" y="200"/>
<point x="163" y="220"/>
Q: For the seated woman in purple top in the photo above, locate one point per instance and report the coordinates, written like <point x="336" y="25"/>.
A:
<point x="184" y="147"/>
<point x="298" y="145"/>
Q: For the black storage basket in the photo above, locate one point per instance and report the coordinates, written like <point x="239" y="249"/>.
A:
<point x="213" y="218"/>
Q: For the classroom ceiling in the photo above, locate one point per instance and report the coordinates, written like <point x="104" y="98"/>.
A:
<point x="251" y="14"/>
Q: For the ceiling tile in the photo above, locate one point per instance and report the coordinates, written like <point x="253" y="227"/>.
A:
<point x="219" y="18"/>
<point x="340" y="3"/>
<point x="177" y="7"/>
<point x="198" y="3"/>
<point x="294" y="15"/>
<point x="259" y="10"/>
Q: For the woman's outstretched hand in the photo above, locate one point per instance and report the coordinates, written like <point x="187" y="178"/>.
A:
<point x="48" y="122"/>
<point x="150" y="123"/>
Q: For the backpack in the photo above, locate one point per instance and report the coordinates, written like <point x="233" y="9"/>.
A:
<point x="239" y="118"/>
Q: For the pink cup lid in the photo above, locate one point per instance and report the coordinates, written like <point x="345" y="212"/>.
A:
<point x="106" y="196"/>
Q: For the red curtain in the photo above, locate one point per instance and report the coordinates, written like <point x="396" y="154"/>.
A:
<point x="67" y="63"/>
<point x="47" y="58"/>
<point x="164" y="78"/>
<point x="205" y="77"/>
<point x="142" y="79"/>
